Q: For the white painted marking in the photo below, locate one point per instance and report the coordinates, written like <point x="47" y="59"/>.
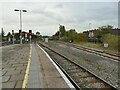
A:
<point x="59" y="70"/>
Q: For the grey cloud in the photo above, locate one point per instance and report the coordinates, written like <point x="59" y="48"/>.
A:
<point x="59" y="5"/>
<point x="45" y="16"/>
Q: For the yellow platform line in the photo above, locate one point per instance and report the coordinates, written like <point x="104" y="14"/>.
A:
<point x="25" y="81"/>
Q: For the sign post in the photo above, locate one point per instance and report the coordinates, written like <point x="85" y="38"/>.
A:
<point x="30" y="39"/>
<point x="106" y="45"/>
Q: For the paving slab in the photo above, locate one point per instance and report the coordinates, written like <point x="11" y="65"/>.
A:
<point x="8" y="85"/>
<point x="17" y="65"/>
<point x="21" y="68"/>
<point x="14" y="63"/>
<point x="6" y="78"/>
<point x="19" y="77"/>
<point x="13" y="72"/>
<point x="8" y="69"/>
<point x="4" y="72"/>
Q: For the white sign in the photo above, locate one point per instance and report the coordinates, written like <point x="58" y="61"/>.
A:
<point x="46" y="40"/>
<point x="105" y="45"/>
<point x="91" y="34"/>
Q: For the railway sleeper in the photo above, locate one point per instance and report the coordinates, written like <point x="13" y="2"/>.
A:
<point x="72" y="70"/>
<point x="65" y="63"/>
<point x="78" y="70"/>
<point x="90" y="82"/>
<point x="68" y="64"/>
<point x="80" y="76"/>
<point x="96" y="84"/>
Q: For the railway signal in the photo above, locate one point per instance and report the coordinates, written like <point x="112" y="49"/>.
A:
<point x="30" y="32"/>
<point x="13" y="36"/>
<point x="20" y="32"/>
<point x="26" y="37"/>
<point x="30" y="35"/>
<point x="12" y="32"/>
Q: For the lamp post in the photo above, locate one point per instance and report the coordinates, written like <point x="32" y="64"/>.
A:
<point x="90" y="33"/>
<point x="20" y="22"/>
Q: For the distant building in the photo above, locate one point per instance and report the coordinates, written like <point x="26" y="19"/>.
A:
<point x="90" y="35"/>
<point x="116" y="31"/>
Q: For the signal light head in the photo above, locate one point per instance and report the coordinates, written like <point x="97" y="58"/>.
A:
<point x="30" y="32"/>
<point x="12" y="32"/>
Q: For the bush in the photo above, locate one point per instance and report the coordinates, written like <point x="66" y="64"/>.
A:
<point x="112" y="40"/>
<point x="81" y="37"/>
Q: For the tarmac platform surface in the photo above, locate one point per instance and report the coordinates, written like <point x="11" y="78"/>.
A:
<point x="43" y="73"/>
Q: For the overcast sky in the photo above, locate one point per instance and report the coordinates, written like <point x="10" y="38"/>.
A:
<point x="45" y="17"/>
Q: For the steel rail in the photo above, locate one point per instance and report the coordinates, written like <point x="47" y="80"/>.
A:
<point x="114" y="56"/>
<point x="113" y="87"/>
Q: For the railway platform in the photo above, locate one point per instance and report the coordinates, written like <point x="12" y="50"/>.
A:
<point x="33" y="69"/>
<point x="43" y="73"/>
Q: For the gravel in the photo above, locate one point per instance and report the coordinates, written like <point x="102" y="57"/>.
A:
<point x="103" y="67"/>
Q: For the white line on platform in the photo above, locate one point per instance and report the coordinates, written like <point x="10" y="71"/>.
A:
<point x="59" y="70"/>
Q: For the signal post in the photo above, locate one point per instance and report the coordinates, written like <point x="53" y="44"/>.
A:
<point x="30" y="35"/>
<point x="20" y="33"/>
<point x="13" y="36"/>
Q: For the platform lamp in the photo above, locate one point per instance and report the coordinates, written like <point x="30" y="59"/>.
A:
<point x="20" y="21"/>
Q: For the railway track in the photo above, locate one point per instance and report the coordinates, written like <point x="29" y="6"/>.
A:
<point x="79" y="76"/>
<point x="114" y="56"/>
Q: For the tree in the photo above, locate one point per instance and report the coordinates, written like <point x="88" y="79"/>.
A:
<point x="38" y="33"/>
<point x="112" y="40"/>
<point x="81" y="37"/>
<point x="106" y="29"/>
<point x="2" y="32"/>
<point x="17" y="36"/>
<point x="71" y="34"/>
<point x="9" y="34"/>
<point x="62" y="31"/>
